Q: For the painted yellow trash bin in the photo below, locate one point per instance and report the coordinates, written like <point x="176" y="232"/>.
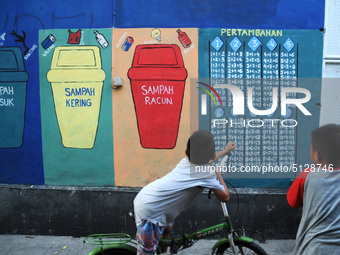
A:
<point x="77" y="79"/>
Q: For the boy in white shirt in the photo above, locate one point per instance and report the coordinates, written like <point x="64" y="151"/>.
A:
<point x="158" y="204"/>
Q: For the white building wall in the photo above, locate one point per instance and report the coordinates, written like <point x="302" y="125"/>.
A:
<point x="330" y="91"/>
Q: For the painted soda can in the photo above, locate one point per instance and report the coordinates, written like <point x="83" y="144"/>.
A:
<point x="50" y="39"/>
<point x="127" y="44"/>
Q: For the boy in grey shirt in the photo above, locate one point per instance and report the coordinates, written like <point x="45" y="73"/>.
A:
<point x="317" y="190"/>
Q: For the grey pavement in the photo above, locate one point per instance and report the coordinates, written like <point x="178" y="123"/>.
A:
<point x="67" y="245"/>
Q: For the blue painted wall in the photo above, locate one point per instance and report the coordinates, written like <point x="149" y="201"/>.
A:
<point x="24" y="165"/>
<point x="36" y="14"/>
<point x="278" y="14"/>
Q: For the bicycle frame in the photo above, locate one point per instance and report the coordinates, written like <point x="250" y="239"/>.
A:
<point x="125" y="241"/>
<point x="188" y="240"/>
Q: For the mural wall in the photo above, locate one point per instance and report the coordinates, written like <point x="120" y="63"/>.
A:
<point x="264" y="66"/>
<point x="102" y="94"/>
<point x="152" y="108"/>
<point x="76" y="106"/>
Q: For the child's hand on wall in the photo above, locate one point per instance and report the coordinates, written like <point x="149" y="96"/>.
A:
<point x="230" y="146"/>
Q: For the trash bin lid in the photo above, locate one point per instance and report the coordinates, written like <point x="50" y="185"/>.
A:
<point x="76" y="64"/>
<point x="76" y="57"/>
<point x="157" y="62"/>
<point x="158" y="55"/>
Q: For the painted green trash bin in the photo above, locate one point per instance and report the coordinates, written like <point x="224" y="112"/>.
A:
<point x="13" y="83"/>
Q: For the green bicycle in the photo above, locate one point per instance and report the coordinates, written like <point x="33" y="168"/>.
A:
<point x="233" y="243"/>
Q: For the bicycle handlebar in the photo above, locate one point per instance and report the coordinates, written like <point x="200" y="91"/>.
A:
<point x="223" y="204"/>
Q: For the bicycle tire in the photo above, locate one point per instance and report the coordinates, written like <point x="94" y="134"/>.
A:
<point x="247" y="249"/>
<point x="114" y="251"/>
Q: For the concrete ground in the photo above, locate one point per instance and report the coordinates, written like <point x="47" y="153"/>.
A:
<point x="66" y="245"/>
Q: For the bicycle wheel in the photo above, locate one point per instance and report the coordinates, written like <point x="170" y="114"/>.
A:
<point x="243" y="248"/>
<point x="115" y="252"/>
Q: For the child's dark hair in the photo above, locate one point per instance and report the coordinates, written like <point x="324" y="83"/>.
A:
<point x="326" y="140"/>
<point x="200" y="147"/>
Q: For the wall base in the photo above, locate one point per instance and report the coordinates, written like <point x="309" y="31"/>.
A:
<point x="80" y="211"/>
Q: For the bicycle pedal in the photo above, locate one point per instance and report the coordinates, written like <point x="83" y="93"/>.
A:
<point x="173" y="246"/>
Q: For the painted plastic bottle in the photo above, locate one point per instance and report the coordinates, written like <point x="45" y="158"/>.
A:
<point x="101" y="39"/>
<point x="184" y="39"/>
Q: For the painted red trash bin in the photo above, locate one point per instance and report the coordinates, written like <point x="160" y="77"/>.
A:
<point x="157" y="83"/>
